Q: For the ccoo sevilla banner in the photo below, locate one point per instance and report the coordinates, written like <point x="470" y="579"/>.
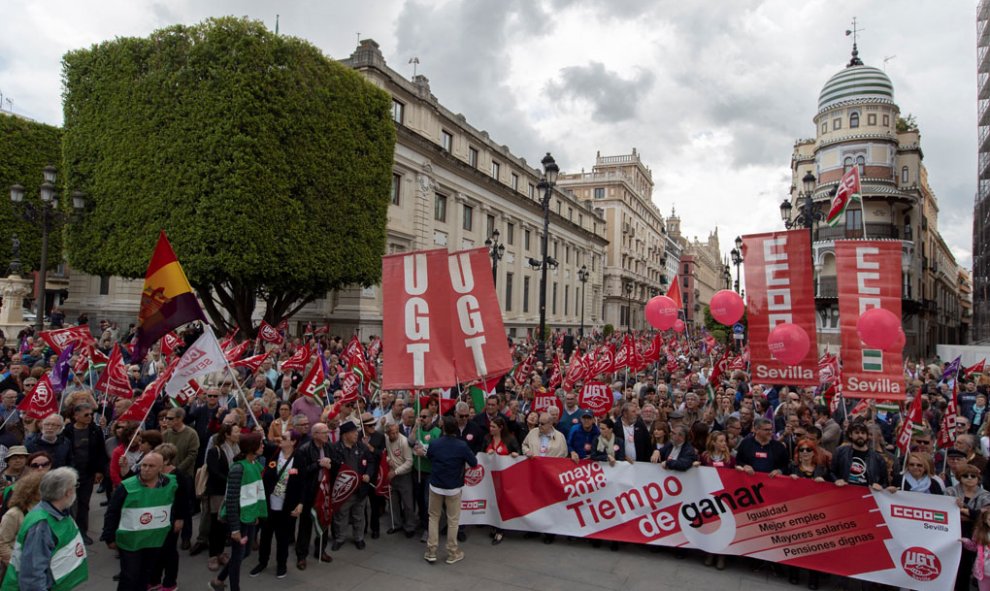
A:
<point x="869" y="276"/>
<point x="442" y="321"/>
<point x="779" y="290"/>
<point x="902" y="539"/>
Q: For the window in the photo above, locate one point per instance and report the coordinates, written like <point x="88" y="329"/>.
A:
<point x="510" y="234"/>
<point x="532" y="191"/>
<point x="496" y="168"/>
<point x="854" y="219"/>
<point x="847" y="164"/>
<point x="861" y="164"/>
<point x="570" y="214"/>
<point x="825" y="127"/>
<point x="581" y="220"/>
<point x="684" y="282"/>
<point x="904" y="175"/>
<point x="567" y="299"/>
<point x="473" y="157"/>
<point x="687" y="269"/>
<point x="599" y="192"/>
<point x="555" y="245"/>
<point x="490" y="225"/>
<point x="104" y="285"/>
<point x="854" y="120"/>
<point x="398" y="112"/>
<point x="871" y="119"/>
<point x="447" y="140"/>
<point x="468" y="222"/>
<point x="593" y="259"/>
<point x="526" y="239"/>
<point x="836" y="124"/>
<point x="567" y="255"/>
<point x="508" y="292"/>
<point x="396" y="187"/>
<point x="553" y="304"/>
<point x="525" y="294"/>
<point x="515" y="182"/>
<point x="886" y="120"/>
<point x="440" y="207"/>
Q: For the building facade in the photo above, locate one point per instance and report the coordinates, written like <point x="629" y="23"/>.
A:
<point x="859" y="124"/>
<point x="453" y="186"/>
<point x="637" y="261"/>
<point x="702" y="270"/>
<point x="980" y="326"/>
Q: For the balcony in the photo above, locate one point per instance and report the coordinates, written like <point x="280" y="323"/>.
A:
<point x="873" y="231"/>
<point x="827" y="288"/>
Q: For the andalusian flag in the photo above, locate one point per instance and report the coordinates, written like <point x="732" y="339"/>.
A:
<point x="167" y="301"/>
<point x="848" y="190"/>
<point x="480" y="391"/>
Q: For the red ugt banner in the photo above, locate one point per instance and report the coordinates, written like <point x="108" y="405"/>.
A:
<point x="779" y="289"/>
<point x="416" y="321"/>
<point x="480" y="347"/>
<point x="869" y="276"/>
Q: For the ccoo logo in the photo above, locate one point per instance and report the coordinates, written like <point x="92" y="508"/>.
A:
<point x="921" y="564"/>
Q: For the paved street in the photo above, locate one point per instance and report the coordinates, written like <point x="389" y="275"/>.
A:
<point x="394" y="562"/>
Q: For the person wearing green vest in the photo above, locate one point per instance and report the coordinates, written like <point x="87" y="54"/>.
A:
<point x="244" y="503"/>
<point x="142" y="511"/>
<point x="49" y="553"/>
<point x="425" y="433"/>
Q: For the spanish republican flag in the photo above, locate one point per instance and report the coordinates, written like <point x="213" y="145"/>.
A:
<point x="167" y="301"/>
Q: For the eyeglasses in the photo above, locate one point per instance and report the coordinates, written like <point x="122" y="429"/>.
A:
<point x="424" y="416"/>
<point x="460" y="416"/>
<point x="545" y="423"/>
<point x="212" y="396"/>
<point x="169" y="418"/>
<point x="969" y="476"/>
<point x="804" y="449"/>
<point x="87" y="415"/>
<point x="41" y="465"/>
<point x="915" y="465"/>
<point x="923" y="442"/>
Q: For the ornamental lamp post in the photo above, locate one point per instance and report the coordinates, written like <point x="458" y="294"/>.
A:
<point x="583" y="275"/>
<point x="496" y="251"/>
<point x="546" y="184"/>
<point x="808" y="214"/>
<point x="46" y="214"/>
<point x="629" y="291"/>
<point x="737" y="259"/>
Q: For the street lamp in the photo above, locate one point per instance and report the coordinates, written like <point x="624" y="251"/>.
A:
<point x="737" y="258"/>
<point x="546" y="184"/>
<point x="808" y="214"/>
<point x="583" y="275"/>
<point x="47" y="215"/>
<point x="496" y="250"/>
<point x="727" y="276"/>
<point x="629" y="291"/>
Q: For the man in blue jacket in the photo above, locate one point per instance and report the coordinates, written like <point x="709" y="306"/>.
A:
<point x="448" y="456"/>
<point x="583" y="438"/>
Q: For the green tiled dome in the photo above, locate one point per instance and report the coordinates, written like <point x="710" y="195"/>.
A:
<point x="856" y="82"/>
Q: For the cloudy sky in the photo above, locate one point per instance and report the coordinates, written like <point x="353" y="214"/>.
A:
<point x="711" y="93"/>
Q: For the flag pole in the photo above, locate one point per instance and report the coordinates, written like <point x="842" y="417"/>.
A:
<point x="240" y="390"/>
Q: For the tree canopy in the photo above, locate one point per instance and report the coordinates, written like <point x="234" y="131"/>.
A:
<point x="267" y="163"/>
<point x="26" y="147"/>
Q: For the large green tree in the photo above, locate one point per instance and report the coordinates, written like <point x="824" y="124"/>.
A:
<point x="267" y="163"/>
<point x="26" y="147"/>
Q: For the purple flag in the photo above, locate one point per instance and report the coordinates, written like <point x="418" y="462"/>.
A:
<point x="25" y="348"/>
<point x="951" y="371"/>
<point x="60" y="373"/>
<point x="323" y="359"/>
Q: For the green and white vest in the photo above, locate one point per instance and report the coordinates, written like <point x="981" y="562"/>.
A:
<point x="254" y="503"/>
<point x="146" y="515"/>
<point x="68" y="564"/>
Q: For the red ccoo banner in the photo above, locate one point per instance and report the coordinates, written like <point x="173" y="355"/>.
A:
<point x="779" y="289"/>
<point x="869" y="276"/>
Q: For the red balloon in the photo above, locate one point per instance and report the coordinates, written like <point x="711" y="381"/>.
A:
<point x="878" y="328"/>
<point x="678" y="325"/>
<point x="788" y="343"/>
<point x="726" y="307"/>
<point x="661" y="312"/>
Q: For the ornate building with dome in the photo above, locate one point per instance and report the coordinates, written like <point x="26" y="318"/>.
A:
<point x="858" y="123"/>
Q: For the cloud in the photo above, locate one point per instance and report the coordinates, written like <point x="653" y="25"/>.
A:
<point x="613" y="98"/>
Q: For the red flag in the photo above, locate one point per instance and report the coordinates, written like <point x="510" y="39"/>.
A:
<point x="60" y="339"/>
<point x="350" y="383"/>
<point x="382" y="486"/>
<point x="270" y="334"/>
<point x="576" y="371"/>
<point x="313" y="384"/>
<point x="978" y="368"/>
<point x="251" y="363"/>
<point x="169" y="342"/>
<point x="321" y="330"/>
<point x="605" y="362"/>
<point x="525" y="369"/>
<point x="298" y="360"/>
<point x="228" y="340"/>
<point x="374" y="349"/>
<point x="237" y="352"/>
<point x="41" y="401"/>
<point x="188" y="392"/>
<point x="907" y="425"/>
<point x="114" y="381"/>
<point x="330" y="498"/>
<point x="652" y="353"/>
<point x="555" y="375"/>
<point x="674" y="293"/>
<point x="283" y="325"/>
<point x="143" y="403"/>
<point x="947" y="430"/>
<point x="544" y="400"/>
<point x="719" y="368"/>
<point x="624" y="357"/>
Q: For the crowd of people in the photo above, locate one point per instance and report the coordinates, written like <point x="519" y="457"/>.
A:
<point x="240" y="467"/>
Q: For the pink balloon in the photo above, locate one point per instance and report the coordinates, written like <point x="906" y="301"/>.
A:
<point x="901" y="341"/>
<point x="788" y="343"/>
<point x="661" y="312"/>
<point x="726" y="307"/>
<point x="878" y="328"/>
<point x="679" y="325"/>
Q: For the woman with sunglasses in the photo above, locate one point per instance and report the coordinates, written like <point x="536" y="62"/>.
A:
<point x="40" y="461"/>
<point x="971" y="498"/>
<point x="809" y="462"/>
<point x="920" y="476"/>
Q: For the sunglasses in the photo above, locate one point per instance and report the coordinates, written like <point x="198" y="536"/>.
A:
<point x="923" y="442"/>
<point x="804" y="449"/>
<point x="212" y="396"/>
<point x="969" y="476"/>
<point x="424" y="416"/>
<point x="42" y="465"/>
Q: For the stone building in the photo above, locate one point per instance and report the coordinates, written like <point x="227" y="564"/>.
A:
<point x="702" y="270"/>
